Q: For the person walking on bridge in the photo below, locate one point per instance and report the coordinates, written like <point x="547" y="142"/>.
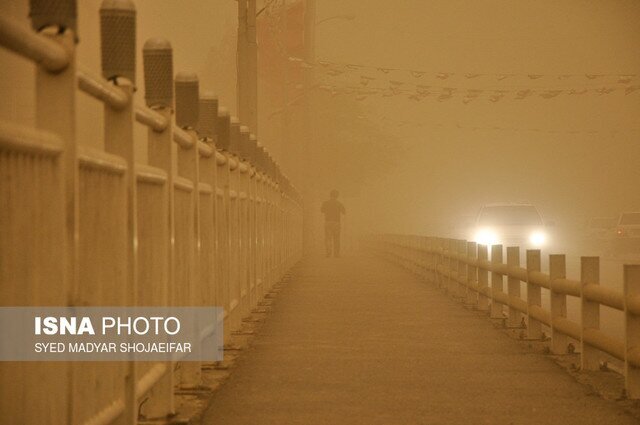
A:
<point x="332" y="210"/>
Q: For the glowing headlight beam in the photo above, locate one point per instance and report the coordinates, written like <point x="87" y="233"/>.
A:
<point x="486" y="237"/>
<point x="537" y="238"/>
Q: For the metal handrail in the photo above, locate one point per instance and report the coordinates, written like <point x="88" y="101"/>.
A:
<point x="151" y="119"/>
<point x="103" y="90"/>
<point x="33" y="46"/>
<point x="453" y="261"/>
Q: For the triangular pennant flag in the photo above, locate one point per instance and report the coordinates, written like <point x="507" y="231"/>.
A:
<point x="550" y="94"/>
<point x="498" y="95"/>
<point x="631" y="89"/>
<point x="471" y="96"/>
<point x="625" y="79"/>
<point x="605" y="90"/>
<point x="424" y="90"/>
<point x="501" y="77"/>
<point x="446" y="93"/>
<point x="364" y="79"/>
<point x="444" y="75"/>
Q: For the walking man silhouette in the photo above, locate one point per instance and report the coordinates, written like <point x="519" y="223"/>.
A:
<point x="332" y="210"/>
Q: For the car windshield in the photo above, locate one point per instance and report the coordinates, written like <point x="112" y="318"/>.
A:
<point x="630" y="219"/>
<point x="602" y="223"/>
<point x="510" y="215"/>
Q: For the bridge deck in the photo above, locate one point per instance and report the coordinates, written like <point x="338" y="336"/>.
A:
<point x="357" y="341"/>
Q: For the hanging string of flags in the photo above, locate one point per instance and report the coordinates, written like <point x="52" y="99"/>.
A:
<point x="457" y="126"/>
<point x="359" y="80"/>
<point x="419" y="92"/>
<point x="337" y="68"/>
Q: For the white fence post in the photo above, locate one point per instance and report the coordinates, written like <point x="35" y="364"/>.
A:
<point x="450" y="251"/>
<point x="222" y="217"/>
<point x="513" y="285"/>
<point x="56" y="112"/>
<point x="186" y="285"/>
<point x="38" y="223"/>
<point x="497" y="282"/>
<point x="158" y="73"/>
<point x="118" y="48"/>
<point x="483" y="278"/>
<point x="590" y="311"/>
<point x="557" y="270"/>
<point x="534" y="294"/>
<point x="472" y="274"/>
<point x="461" y="251"/>
<point x="632" y="330"/>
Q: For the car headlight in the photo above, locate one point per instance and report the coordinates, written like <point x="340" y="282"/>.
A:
<point x="486" y="237"/>
<point x="537" y="238"/>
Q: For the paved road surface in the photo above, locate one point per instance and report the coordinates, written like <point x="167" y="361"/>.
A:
<point x="358" y="341"/>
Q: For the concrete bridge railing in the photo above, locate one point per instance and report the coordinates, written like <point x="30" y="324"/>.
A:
<point x="476" y="273"/>
<point x="209" y="220"/>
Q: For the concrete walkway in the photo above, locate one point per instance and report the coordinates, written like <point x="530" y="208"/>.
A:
<point x="358" y="341"/>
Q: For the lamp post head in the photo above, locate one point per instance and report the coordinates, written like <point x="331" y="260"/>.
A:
<point x="157" y="56"/>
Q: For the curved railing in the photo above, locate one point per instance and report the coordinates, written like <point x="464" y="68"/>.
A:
<point x="468" y="272"/>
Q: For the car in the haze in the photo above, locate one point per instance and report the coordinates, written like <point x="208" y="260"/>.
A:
<point x="600" y="227"/>
<point x="598" y="232"/>
<point x="510" y="224"/>
<point x="627" y="234"/>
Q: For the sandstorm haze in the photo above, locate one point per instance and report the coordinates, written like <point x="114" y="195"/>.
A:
<point x="408" y="164"/>
<point x="448" y="168"/>
<point x="416" y="153"/>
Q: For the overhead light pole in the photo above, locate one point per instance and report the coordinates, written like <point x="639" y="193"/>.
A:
<point x="247" y="65"/>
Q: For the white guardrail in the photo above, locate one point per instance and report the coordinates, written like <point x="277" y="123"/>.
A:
<point x="88" y="227"/>
<point x="464" y="270"/>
